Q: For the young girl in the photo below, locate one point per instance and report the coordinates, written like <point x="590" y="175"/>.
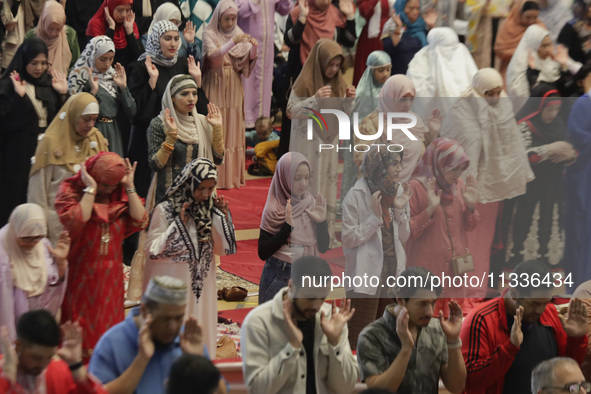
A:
<point x="293" y="224"/>
<point x="228" y="53"/>
<point x="93" y="72"/>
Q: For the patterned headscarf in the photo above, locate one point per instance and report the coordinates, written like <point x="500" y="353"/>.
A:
<point x="441" y="156"/>
<point x="78" y="77"/>
<point x="153" y="48"/>
<point x="375" y="170"/>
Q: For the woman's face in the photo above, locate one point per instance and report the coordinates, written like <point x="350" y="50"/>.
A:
<point x="493" y="96"/>
<point x="301" y="180"/>
<point x="120" y="13"/>
<point x="54" y="30"/>
<point x="228" y="22"/>
<point x="204" y="190"/>
<point x="394" y="169"/>
<point x="85" y="123"/>
<point x="333" y="67"/>
<point x="104" y="62"/>
<point x="104" y="189"/>
<point x="382" y="73"/>
<point x="37" y="66"/>
<point x="550" y="112"/>
<point x="546" y="48"/>
<point x="169" y="43"/>
<point x="29" y="242"/>
<point x="185" y="100"/>
<point x="529" y="17"/>
<point x="404" y="104"/>
<point x="452" y="175"/>
<point x="412" y="9"/>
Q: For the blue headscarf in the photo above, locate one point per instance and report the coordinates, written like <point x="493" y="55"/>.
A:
<point x="417" y="28"/>
<point x="368" y="90"/>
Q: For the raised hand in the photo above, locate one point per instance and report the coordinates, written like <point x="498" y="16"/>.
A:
<point x="128" y="23"/>
<point x="189" y="32"/>
<point x="60" y="253"/>
<point x="430" y="17"/>
<point x="214" y="115"/>
<point x="145" y="342"/>
<point x="10" y="366"/>
<point x="254" y="42"/>
<point x="71" y="350"/>
<point x="434" y="197"/>
<point x="318" y="214"/>
<point x="152" y="72"/>
<point x="401" y="200"/>
<point x="453" y="324"/>
<point x="170" y="124"/>
<point x="109" y="18"/>
<point x="194" y="70"/>
<point x="334" y="327"/>
<point x="396" y="19"/>
<point x="87" y="179"/>
<point x="294" y="334"/>
<point x="435" y="122"/>
<point x="531" y="60"/>
<point x="59" y="82"/>
<point x="471" y="192"/>
<point x="402" y="329"/>
<point x="241" y="38"/>
<point x="376" y="204"/>
<point x="221" y="203"/>
<point x="18" y="83"/>
<point x="351" y="91"/>
<point x="128" y="178"/>
<point x="325" y="91"/>
<point x="304" y="8"/>
<point x="93" y="81"/>
<point x="120" y="77"/>
<point x="561" y="55"/>
<point x="516" y="333"/>
<point x="575" y="323"/>
<point x="191" y="339"/>
<point x="347" y="7"/>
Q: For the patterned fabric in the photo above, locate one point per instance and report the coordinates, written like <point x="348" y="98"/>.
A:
<point x="379" y="345"/>
<point x="199" y="12"/>
<point x="375" y="170"/>
<point x="153" y="48"/>
<point x="78" y="77"/>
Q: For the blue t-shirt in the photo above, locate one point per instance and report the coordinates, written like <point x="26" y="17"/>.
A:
<point x="252" y="138"/>
<point x="117" y="349"/>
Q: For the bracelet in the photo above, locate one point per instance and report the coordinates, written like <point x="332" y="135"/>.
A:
<point x="397" y="33"/>
<point x="457" y="345"/>
<point x="76" y="366"/>
<point x="130" y="190"/>
<point x="167" y="147"/>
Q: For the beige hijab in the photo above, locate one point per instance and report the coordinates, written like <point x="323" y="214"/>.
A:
<point x="29" y="269"/>
<point x="60" y="55"/>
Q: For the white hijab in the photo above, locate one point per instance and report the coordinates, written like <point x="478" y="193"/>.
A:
<point x="166" y="12"/>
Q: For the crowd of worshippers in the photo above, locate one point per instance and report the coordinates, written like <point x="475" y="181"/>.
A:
<point x="120" y="120"/>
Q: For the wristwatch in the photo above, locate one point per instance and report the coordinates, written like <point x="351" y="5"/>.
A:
<point x="90" y="190"/>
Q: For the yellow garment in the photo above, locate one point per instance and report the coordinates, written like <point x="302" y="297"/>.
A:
<point x="265" y="154"/>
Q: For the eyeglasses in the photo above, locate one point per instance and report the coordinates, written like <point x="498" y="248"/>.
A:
<point x="573" y="388"/>
<point x="398" y="164"/>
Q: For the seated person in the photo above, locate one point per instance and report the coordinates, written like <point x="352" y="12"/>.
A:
<point x="136" y="355"/>
<point x="505" y="338"/>
<point x="295" y="343"/>
<point x="263" y="131"/>
<point x="406" y="350"/>
<point x="190" y="371"/>
<point x="558" y="375"/>
<point x="31" y="366"/>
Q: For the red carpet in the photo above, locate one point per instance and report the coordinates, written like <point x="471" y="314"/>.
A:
<point x="235" y="315"/>
<point x="247" y="203"/>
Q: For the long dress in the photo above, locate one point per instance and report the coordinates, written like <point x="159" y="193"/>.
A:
<point x="366" y="45"/>
<point x="257" y="19"/>
<point x="95" y="289"/>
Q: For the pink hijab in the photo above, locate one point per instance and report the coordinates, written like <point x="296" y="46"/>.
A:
<point x="214" y="36"/>
<point x="60" y="55"/>
<point x="304" y="232"/>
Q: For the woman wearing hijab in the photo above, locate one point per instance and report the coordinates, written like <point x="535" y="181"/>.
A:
<point x="29" y="99"/>
<point x="116" y="20"/>
<point x="69" y="140"/>
<point x="187" y="227"/>
<point x="170" y="12"/>
<point x="99" y="207"/>
<point x="61" y="40"/>
<point x="32" y="273"/>
<point x="397" y="95"/>
<point x="320" y="80"/>
<point x="145" y="11"/>
<point x="534" y="61"/>
<point x="228" y="54"/>
<point x="12" y="33"/>
<point x="576" y="34"/>
<point x="93" y="72"/>
<point x="376" y="218"/>
<point x="148" y="81"/>
<point x="532" y="221"/>
<point x="523" y="14"/>
<point x="443" y="210"/>
<point x="483" y="122"/>
<point x="405" y="33"/>
<point x="293" y="224"/>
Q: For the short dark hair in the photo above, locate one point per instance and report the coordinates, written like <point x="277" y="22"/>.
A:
<point x="311" y="267"/>
<point x="532" y="269"/>
<point x="193" y="374"/>
<point x="38" y="327"/>
<point x="530" y="5"/>
<point x="413" y="279"/>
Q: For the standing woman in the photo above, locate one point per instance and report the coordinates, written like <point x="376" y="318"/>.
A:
<point x="32" y="273"/>
<point x="148" y="80"/>
<point x="61" y="39"/>
<point x="29" y="99"/>
<point x="93" y="72"/>
<point x="228" y="54"/>
<point x="69" y="140"/>
<point x="187" y="227"/>
<point x="99" y="208"/>
<point x="116" y="20"/>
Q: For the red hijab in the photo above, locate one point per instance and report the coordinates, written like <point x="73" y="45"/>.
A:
<point x="97" y="26"/>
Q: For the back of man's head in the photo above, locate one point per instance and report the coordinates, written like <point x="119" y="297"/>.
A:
<point x="310" y="275"/>
<point x="192" y="374"/>
<point x="38" y="327"/>
<point x="550" y="375"/>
